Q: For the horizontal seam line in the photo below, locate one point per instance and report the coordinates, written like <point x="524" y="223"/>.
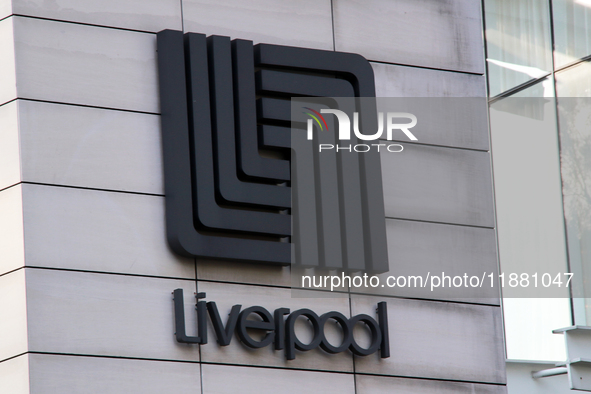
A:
<point x="112" y="357"/>
<point x="11" y="357"/>
<point x="92" y="188"/>
<point x="434" y="222"/>
<point x="430" y="299"/>
<point x="427" y="378"/>
<point x="83" y="23"/>
<point x="37" y="267"/>
<point x="348" y="372"/>
<point x="257" y="366"/>
<point x="12" y="271"/>
<point x="11" y="186"/>
<point x="436" y="145"/>
<point x="238" y="283"/>
<point x="9" y="101"/>
<point x="343" y="292"/>
<point x="87" y="106"/>
<point x="275" y="367"/>
<point x="426" y="68"/>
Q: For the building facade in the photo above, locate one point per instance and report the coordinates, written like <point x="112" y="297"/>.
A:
<point x="86" y="274"/>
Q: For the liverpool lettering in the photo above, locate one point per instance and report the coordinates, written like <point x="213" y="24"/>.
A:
<point x="275" y="328"/>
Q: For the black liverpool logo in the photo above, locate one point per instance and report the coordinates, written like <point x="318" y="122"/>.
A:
<point x="230" y="156"/>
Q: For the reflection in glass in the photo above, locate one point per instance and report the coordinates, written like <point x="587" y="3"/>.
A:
<point x="575" y="140"/>
<point x="518" y="42"/>
<point x="572" y="85"/>
<point x="574" y="81"/>
<point x="530" y="223"/>
<point x="572" y="22"/>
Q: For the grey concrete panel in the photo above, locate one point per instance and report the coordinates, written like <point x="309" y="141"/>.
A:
<point x="306" y="23"/>
<point x="419" y="248"/>
<point x="12" y="246"/>
<point x="76" y="64"/>
<point x="57" y="374"/>
<point x="401" y="81"/>
<point x="438" y="184"/>
<point x="460" y="122"/>
<point x="13" y="309"/>
<point x="438" y="340"/>
<point x="90" y="147"/>
<point x="271" y="381"/>
<point x="145" y="15"/>
<point x="14" y="375"/>
<point x="99" y="231"/>
<point x="7" y="66"/>
<point x="227" y="295"/>
<point x="228" y="271"/>
<point x="9" y="146"/>
<point x="439" y="34"/>
<point x="106" y="315"/>
<point x="5" y="8"/>
<point x="380" y="384"/>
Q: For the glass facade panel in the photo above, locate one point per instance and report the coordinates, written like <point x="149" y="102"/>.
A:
<point x="546" y="161"/>
<point x="572" y="23"/>
<point x="530" y="224"/>
<point x="518" y="41"/>
<point x="573" y="86"/>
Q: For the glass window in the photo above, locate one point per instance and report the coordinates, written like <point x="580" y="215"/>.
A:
<point x="572" y="23"/>
<point x="530" y="222"/>
<point x="518" y="41"/>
